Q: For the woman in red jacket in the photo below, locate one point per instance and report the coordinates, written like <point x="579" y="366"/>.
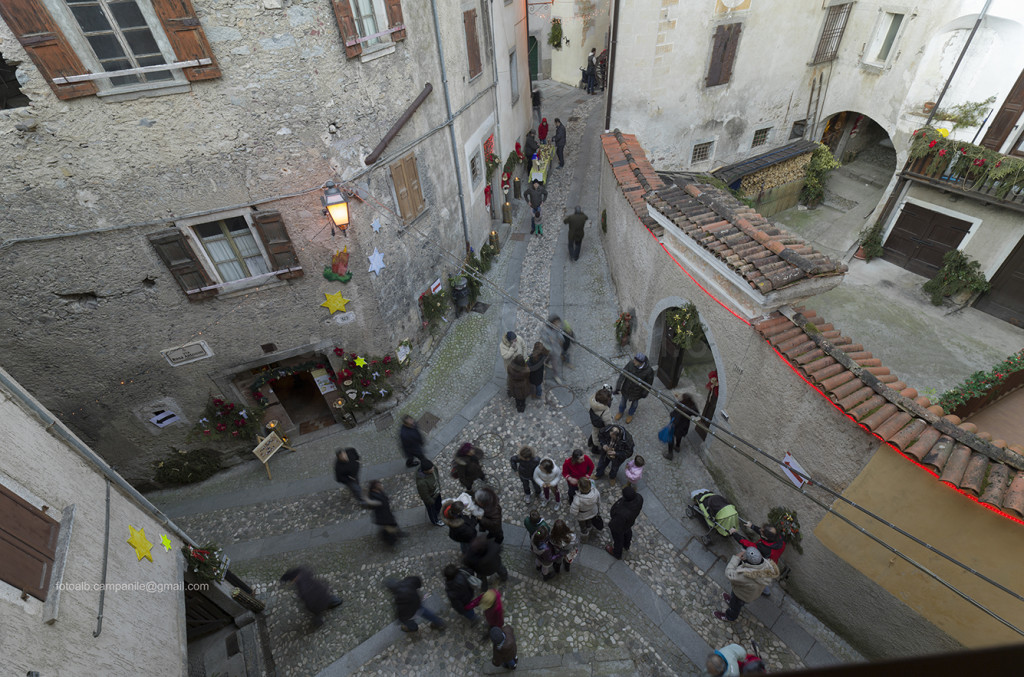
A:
<point x="542" y="130"/>
<point x="575" y="468"/>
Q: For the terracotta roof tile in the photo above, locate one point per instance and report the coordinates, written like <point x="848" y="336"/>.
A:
<point x="908" y="434"/>
<point x="1013" y="501"/>
<point x="923" y="446"/>
<point x="974" y="475"/>
<point x="855" y="398"/>
<point x="866" y="407"/>
<point x="847" y="388"/>
<point x="880" y="417"/>
<point x="956" y="465"/>
<point x="833" y="383"/>
<point x="995" y="489"/>
<point x="939" y="454"/>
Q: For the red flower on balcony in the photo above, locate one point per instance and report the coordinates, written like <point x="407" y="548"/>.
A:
<point x="979" y="162"/>
<point x="932" y="144"/>
<point x="206" y="432"/>
<point x="942" y="152"/>
<point x="222" y="427"/>
<point x="999" y="163"/>
<point x="258" y="395"/>
<point x="963" y="151"/>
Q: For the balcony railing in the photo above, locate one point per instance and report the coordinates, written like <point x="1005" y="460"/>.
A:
<point x="955" y="175"/>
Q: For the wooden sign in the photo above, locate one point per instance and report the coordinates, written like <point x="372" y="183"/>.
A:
<point x="323" y="381"/>
<point x="267" y="447"/>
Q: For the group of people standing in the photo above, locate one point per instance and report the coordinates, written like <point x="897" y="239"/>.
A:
<point x="526" y="374"/>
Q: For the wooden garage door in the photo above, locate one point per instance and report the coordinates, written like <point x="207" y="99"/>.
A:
<point x="921" y="237"/>
<point x="1006" y="298"/>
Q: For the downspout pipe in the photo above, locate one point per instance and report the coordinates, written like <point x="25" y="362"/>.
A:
<point x="106" y="558"/>
<point x="397" y="127"/>
<point x="450" y="121"/>
<point x="497" y="104"/>
<point x="959" y="59"/>
<point x="612" y="52"/>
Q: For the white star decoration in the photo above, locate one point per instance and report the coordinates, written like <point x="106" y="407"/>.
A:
<point x="376" y="225"/>
<point x="376" y="262"/>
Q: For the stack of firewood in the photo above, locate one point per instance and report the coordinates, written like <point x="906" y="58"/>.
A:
<point x="776" y="175"/>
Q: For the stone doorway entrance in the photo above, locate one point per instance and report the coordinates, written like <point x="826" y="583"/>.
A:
<point x="303" y="402"/>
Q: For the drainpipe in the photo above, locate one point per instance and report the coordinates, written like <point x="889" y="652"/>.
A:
<point x="497" y="106"/>
<point x="450" y="122"/>
<point x="106" y="557"/>
<point x="395" y="128"/>
<point x="970" y="38"/>
<point x="612" y="51"/>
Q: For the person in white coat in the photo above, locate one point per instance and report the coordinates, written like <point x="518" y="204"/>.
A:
<point x="749" y="573"/>
<point x="601" y="416"/>
<point x="547" y="475"/>
<point x="585" y="507"/>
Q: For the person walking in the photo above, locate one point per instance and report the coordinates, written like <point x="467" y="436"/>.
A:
<point x="575" y="468"/>
<point x="551" y="336"/>
<point x="505" y="653"/>
<point x="535" y="196"/>
<point x="623" y="517"/>
<point x="535" y="100"/>
<point x="409" y="603"/>
<point x="536" y="365"/>
<point x="519" y="381"/>
<point x="524" y="463"/>
<point x="530" y="148"/>
<point x="459" y="591"/>
<point x="617" y="445"/>
<point x="565" y="544"/>
<point x="749" y="573"/>
<point x="600" y="416"/>
<point x="585" y="508"/>
<point x="467" y="465"/>
<point x="679" y="421"/>
<point x="769" y="544"/>
<point x="560" y="142"/>
<point x="490" y="602"/>
<point x="412" y="441"/>
<point x="543" y="552"/>
<point x="634" y="470"/>
<point x="461" y="525"/>
<point x="346" y="471"/>
<point x="577" y="220"/>
<point x="547" y="476"/>
<point x="428" y="486"/>
<point x="487" y="500"/>
<point x="591" y="70"/>
<point x="484" y="559"/>
<point x="313" y="592"/>
<point x="632" y="392"/>
<point x="725" y="662"/>
<point x="542" y="131"/>
<point x="382" y="515"/>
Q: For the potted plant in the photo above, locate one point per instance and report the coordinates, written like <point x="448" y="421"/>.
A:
<point x="822" y="162"/>
<point x="871" y="243"/>
<point x="623" y="328"/>
<point x="959" y="276"/>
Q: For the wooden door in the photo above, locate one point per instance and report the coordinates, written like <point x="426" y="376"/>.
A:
<point x="670" y="359"/>
<point x="202" y="616"/>
<point x="921" y="237"/>
<point x="1006" y="298"/>
<point x="1006" y="119"/>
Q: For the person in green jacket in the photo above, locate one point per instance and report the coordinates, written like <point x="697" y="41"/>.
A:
<point x="429" y="489"/>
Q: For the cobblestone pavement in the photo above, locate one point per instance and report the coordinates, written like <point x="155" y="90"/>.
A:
<point x="650" y="615"/>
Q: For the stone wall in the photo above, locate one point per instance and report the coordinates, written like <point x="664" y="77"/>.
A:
<point x="770" y="406"/>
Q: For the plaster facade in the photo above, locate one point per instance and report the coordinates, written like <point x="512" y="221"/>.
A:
<point x="89" y="180"/>
<point x="585" y="26"/>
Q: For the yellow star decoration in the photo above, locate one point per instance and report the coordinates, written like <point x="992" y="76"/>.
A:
<point x="141" y="544"/>
<point x="360" y="362"/>
<point x="335" y="302"/>
<point x="166" y="542"/>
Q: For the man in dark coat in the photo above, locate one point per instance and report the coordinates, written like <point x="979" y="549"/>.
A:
<point x="519" y="381"/>
<point x="487" y="499"/>
<point x="466" y="465"/>
<point x="408" y="603"/>
<point x="505" y="651"/>
<point x="382" y="515"/>
<point x="576" y="221"/>
<point x="412" y="441"/>
<point x="459" y="590"/>
<point x="535" y="99"/>
<point x="535" y="196"/>
<point x="530" y="148"/>
<point x="591" y="70"/>
<point x="632" y="392"/>
<point x="313" y="592"/>
<point x="429" y="488"/>
<point x="623" y="516"/>
<point x="560" y="141"/>
<point x="484" y="558"/>
<point x="346" y="471"/>
<point x="616" y="445"/>
<point x="461" y="525"/>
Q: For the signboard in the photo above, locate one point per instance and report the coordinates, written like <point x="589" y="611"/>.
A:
<point x="164" y="418"/>
<point x="788" y="465"/>
<point x="191" y="352"/>
<point x="323" y="381"/>
<point x="268" y="447"/>
<point x="436" y="287"/>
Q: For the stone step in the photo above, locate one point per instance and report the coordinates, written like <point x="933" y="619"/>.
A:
<point x="585" y="664"/>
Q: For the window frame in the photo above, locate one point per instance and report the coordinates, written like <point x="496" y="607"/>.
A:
<point x="710" y="151"/>
<point x="725" y="38"/>
<point x="380" y="46"/>
<point x="883" y="26"/>
<point x="764" y="139"/>
<point x="195" y="242"/>
<point x="401" y="163"/>
<point x="829" y="32"/>
<point x="479" y="61"/>
<point x="18" y="498"/>
<point x="513" y="74"/>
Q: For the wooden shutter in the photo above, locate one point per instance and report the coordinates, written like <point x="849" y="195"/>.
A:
<point x="28" y="543"/>
<point x="472" y="44"/>
<point x="1006" y="119"/>
<point x="277" y="243"/>
<point x="723" y="54"/>
<point x="186" y="36"/>
<point x="347" y="26"/>
<point x="412" y="177"/>
<point x="394" y="9"/>
<point x="188" y="272"/>
<point x="401" y="189"/>
<point x="46" y="46"/>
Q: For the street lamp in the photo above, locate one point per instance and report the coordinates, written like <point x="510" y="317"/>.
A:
<point x="335" y="204"/>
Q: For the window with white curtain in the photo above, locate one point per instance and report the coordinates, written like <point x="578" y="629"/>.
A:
<point x="231" y="246"/>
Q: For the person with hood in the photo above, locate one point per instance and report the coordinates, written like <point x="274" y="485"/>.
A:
<point x="346" y="471"/>
<point x="560" y="142"/>
<point x="536" y="365"/>
<point x="409" y="603"/>
<point x="524" y="463"/>
<point x="725" y="662"/>
<point x="511" y="345"/>
<point x="623" y="517"/>
<point x="617" y="445"/>
<point x="749" y="573"/>
<point x="770" y="544"/>
<point x="680" y="421"/>
<point x="382" y="515"/>
<point x="535" y="195"/>
<point x="565" y="544"/>
<point x="519" y="382"/>
<point x="459" y="591"/>
<point x="467" y="466"/>
<point x="487" y="499"/>
<point x="577" y="220"/>
<point x="461" y="525"/>
<point x="484" y="559"/>
<point x="586" y="507"/>
<point x="575" y="468"/>
<point x="412" y="441"/>
<point x="547" y="476"/>
<point x="505" y="654"/>
<point x="632" y="392"/>
<point x="534" y="521"/>
<point x="530" y="147"/>
<point x="600" y="415"/>
<point x="313" y="592"/>
<point x="428" y="486"/>
<point x="542" y="131"/>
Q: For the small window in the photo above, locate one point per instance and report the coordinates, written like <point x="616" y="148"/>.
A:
<point x="723" y="54"/>
<point x="513" y="75"/>
<point x="701" y="152"/>
<point x="369" y="25"/>
<point x="231" y="246"/>
<point x="363" y="11"/>
<point x="832" y="33"/>
<point x="120" y="37"/>
<point x="761" y="137"/>
<point x="28" y="545"/>
<point x="472" y="43"/>
<point x="475" y="171"/>
<point x="799" y="127"/>
<point x="880" y="49"/>
<point x="406" y="179"/>
<point x="10" y="88"/>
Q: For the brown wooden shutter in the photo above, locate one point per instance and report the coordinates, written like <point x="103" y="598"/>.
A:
<point x="279" y="246"/>
<point x="46" y="46"/>
<point x="394" y="9"/>
<point x="401" y="189"/>
<point x="347" y="26"/>
<point x="1006" y="119"/>
<point x="472" y="44"/>
<point x="182" y="262"/>
<point x="28" y="544"/>
<point x="723" y="54"/>
<point x="412" y="178"/>
<point x="187" y="37"/>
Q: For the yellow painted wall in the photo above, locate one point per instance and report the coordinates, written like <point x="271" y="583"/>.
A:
<point x="918" y="503"/>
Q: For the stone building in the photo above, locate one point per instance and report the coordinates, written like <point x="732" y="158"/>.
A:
<point x="164" y="230"/>
<point x="74" y="595"/>
<point x="584" y="26"/>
